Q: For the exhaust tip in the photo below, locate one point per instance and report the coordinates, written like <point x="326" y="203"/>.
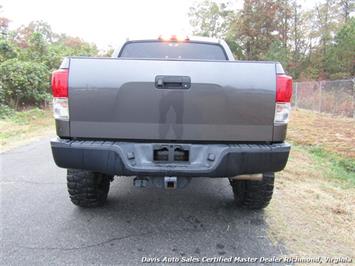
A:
<point x="251" y="177"/>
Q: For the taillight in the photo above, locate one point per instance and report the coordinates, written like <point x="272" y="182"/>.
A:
<point x="60" y="83"/>
<point x="283" y="98"/>
<point x="283" y="88"/>
<point x="60" y="94"/>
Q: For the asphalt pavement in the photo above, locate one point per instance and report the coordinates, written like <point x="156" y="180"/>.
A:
<point x="40" y="226"/>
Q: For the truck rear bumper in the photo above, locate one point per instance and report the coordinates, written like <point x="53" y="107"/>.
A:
<point x="136" y="159"/>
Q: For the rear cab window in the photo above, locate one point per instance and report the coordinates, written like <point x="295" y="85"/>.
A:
<point x="172" y="50"/>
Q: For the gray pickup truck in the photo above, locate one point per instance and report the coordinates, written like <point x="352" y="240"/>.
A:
<point x="166" y="110"/>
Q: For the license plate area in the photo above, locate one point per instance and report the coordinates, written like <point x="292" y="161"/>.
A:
<point x="171" y="153"/>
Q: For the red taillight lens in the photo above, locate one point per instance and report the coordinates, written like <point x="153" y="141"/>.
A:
<point x="283" y="88"/>
<point x="60" y="83"/>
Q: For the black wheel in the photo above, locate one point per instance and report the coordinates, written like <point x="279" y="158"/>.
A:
<point x="253" y="194"/>
<point x="87" y="189"/>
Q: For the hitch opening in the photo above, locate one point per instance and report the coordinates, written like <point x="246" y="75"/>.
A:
<point x="170" y="182"/>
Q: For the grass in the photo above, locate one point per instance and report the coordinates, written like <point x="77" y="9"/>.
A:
<point x="330" y="133"/>
<point x="329" y="140"/>
<point x="311" y="213"/>
<point x="334" y="165"/>
<point x="313" y="207"/>
<point x="18" y="128"/>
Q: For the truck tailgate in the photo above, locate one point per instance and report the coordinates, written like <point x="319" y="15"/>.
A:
<point x="120" y="99"/>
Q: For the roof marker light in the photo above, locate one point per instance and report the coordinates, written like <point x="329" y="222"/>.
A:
<point x="176" y="38"/>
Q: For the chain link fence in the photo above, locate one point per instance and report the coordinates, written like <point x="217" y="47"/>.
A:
<point x="336" y="97"/>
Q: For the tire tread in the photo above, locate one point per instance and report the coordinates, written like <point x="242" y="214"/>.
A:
<point x="87" y="189"/>
<point x="253" y="195"/>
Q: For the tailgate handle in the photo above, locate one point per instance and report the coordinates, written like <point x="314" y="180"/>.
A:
<point x="172" y="82"/>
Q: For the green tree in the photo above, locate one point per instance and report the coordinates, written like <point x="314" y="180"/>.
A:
<point x="23" y="83"/>
<point x="283" y="19"/>
<point x="325" y="26"/>
<point x="210" y="19"/>
<point x="311" y="44"/>
<point x="259" y="25"/>
<point x="346" y="7"/>
<point x="340" y="60"/>
<point x="27" y="56"/>
<point x="76" y="46"/>
<point x="108" y="52"/>
<point x="23" y="34"/>
<point x="7" y="50"/>
<point x="298" y="34"/>
<point x="4" y="27"/>
<point x="37" y="47"/>
<point x="277" y="52"/>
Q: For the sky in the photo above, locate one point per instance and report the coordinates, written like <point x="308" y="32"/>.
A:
<point x="105" y="22"/>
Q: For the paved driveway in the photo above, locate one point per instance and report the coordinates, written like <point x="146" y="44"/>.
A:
<point x="39" y="225"/>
